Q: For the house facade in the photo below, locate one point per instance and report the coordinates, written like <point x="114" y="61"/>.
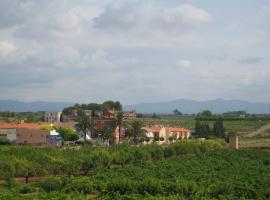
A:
<point x="9" y="134"/>
<point x="32" y="136"/>
<point x="28" y="133"/>
<point x="163" y="134"/>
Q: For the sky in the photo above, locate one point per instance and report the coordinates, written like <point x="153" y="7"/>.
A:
<point x="134" y="50"/>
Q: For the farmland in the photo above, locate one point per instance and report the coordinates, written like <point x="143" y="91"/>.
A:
<point x="184" y="170"/>
<point x="240" y="125"/>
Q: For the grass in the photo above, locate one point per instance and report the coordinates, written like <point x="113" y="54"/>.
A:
<point x="256" y="143"/>
<point x="241" y="126"/>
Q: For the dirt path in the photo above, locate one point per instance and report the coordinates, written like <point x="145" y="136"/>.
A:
<point x="259" y="131"/>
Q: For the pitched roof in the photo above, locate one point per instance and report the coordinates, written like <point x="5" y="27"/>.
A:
<point x="171" y="129"/>
<point x="23" y="125"/>
<point x="177" y="129"/>
<point x="152" y="129"/>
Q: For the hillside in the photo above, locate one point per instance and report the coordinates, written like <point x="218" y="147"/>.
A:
<point x="19" y="106"/>
<point x="192" y="106"/>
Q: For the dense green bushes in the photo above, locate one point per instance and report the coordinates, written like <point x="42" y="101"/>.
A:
<point x="185" y="170"/>
<point x="42" y="162"/>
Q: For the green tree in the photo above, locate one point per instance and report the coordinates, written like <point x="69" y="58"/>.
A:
<point x="119" y="122"/>
<point x="47" y="127"/>
<point x="205" y="114"/>
<point x="7" y="173"/>
<point x="67" y="134"/>
<point x="218" y="128"/>
<point x="177" y="112"/>
<point x="202" y="129"/>
<point x="106" y="132"/>
<point x="84" y="123"/>
<point x="136" y="130"/>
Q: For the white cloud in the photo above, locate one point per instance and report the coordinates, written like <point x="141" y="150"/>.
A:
<point x="6" y="48"/>
<point x="147" y="18"/>
<point x="184" y="63"/>
<point x="105" y="45"/>
<point x="183" y="17"/>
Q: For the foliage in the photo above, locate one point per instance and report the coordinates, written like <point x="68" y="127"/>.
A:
<point x="107" y="105"/>
<point x="218" y="128"/>
<point x="47" y="127"/>
<point x="202" y="129"/>
<point x="67" y="134"/>
<point x="84" y="123"/>
<point x="177" y="112"/>
<point x="106" y="132"/>
<point x="182" y="170"/>
<point x="4" y="141"/>
<point x="135" y="130"/>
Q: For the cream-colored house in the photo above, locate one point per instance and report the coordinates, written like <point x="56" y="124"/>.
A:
<point x="166" y="134"/>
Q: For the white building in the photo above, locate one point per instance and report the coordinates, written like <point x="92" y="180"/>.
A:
<point x="52" y="117"/>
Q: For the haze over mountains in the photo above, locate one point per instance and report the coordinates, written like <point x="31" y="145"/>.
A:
<point x="191" y="106"/>
<point x="19" y="106"/>
<point x="184" y="105"/>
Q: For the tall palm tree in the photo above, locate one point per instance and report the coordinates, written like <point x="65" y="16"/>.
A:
<point x="84" y="123"/>
<point x="119" y="122"/>
<point x="136" y="130"/>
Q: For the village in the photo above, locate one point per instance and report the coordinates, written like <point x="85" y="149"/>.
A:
<point x="100" y="123"/>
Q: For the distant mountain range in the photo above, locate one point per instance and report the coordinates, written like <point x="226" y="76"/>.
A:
<point x="184" y="105"/>
<point x="19" y="106"/>
<point x="191" y="106"/>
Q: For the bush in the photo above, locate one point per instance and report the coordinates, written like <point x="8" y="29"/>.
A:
<point x="140" y="155"/>
<point x="81" y="185"/>
<point x="121" y="186"/>
<point x="150" y="186"/>
<point x="169" y="151"/>
<point x="51" y="184"/>
<point x="156" y="151"/>
<point x="5" y="142"/>
<point x="8" y="195"/>
<point x="27" y="189"/>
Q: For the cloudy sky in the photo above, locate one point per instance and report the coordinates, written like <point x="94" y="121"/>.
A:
<point x="134" y="50"/>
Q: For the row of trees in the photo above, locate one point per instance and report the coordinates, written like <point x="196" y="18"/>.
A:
<point x="107" y="105"/>
<point x="202" y="129"/>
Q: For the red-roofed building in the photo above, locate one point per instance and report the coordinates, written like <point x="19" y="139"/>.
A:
<point x="25" y="133"/>
<point x="166" y="134"/>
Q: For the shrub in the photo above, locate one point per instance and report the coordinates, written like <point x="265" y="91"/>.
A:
<point x="169" y="151"/>
<point x="140" y="155"/>
<point x="121" y="186"/>
<point x="156" y="151"/>
<point x="51" y="184"/>
<point x="81" y="185"/>
<point x="150" y="186"/>
<point x="5" y="142"/>
<point x="27" y="189"/>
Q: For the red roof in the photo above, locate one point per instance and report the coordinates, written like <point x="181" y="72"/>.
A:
<point x="176" y="129"/>
<point x="153" y="129"/>
<point x="23" y="125"/>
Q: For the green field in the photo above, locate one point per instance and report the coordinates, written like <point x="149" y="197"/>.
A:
<point x="185" y="170"/>
<point x="245" y="125"/>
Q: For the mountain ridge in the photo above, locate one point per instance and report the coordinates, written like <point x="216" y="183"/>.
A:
<point x="189" y="106"/>
<point x="34" y="106"/>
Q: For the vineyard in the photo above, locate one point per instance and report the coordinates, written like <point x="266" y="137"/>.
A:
<point x="230" y="125"/>
<point x="184" y="170"/>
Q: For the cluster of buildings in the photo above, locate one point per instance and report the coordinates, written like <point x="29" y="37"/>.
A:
<point x="29" y="133"/>
<point x="32" y="133"/>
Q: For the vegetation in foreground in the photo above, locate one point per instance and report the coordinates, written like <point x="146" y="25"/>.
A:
<point x="185" y="170"/>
